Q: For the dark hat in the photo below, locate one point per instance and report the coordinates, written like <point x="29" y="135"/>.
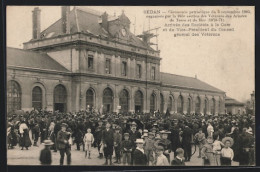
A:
<point x="126" y="134"/>
<point x="159" y="148"/>
<point x="64" y="125"/>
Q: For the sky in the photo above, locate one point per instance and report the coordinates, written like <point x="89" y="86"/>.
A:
<point x="225" y="62"/>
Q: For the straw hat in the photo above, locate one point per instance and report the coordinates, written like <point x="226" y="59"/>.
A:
<point x="165" y="132"/>
<point x="48" y="142"/>
<point x="139" y="141"/>
<point x="228" y="139"/>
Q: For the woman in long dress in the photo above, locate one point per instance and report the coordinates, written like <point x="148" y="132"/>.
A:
<point x="24" y="136"/>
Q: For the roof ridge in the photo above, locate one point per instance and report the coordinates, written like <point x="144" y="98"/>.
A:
<point x="31" y="51"/>
<point x="177" y="75"/>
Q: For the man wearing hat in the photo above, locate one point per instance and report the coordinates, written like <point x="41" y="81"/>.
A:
<point x="133" y="135"/>
<point x="139" y="157"/>
<point x="108" y="142"/>
<point x="63" y="144"/>
<point x="45" y="155"/>
<point x="127" y="147"/>
<point x="117" y="144"/>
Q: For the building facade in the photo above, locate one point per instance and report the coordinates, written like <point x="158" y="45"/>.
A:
<point x="234" y="107"/>
<point x="91" y="60"/>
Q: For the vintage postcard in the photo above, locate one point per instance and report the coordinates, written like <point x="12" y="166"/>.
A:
<point x="130" y="85"/>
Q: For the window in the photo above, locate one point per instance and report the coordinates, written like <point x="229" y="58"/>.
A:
<point x="124" y="65"/>
<point x="90" y="62"/>
<point x="197" y="105"/>
<point x="138" y="71"/>
<point x="90" y="99"/>
<point x="161" y="103"/>
<point x="14" y="95"/>
<point x="180" y="104"/>
<point x="169" y="106"/>
<point x="152" y="103"/>
<point x="60" y="98"/>
<point x="124" y="100"/>
<point x="212" y="106"/>
<point x="153" y="73"/>
<point x="37" y="98"/>
<point x="189" y="106"/>
<point x="138" y="101"/>
<point x="107" y="68"/>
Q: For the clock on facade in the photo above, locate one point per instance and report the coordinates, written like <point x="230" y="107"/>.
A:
<point x="123" y="32"/>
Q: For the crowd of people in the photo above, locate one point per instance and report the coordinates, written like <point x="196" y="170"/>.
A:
<point x="136" y="138"/>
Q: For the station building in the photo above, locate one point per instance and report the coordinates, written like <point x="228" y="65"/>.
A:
<point x="88" y="59"/>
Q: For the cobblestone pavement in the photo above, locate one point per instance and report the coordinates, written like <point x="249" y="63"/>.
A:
<point x="17" y="156"/>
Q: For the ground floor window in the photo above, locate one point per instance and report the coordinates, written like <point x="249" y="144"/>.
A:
<point x="14" y="94"/>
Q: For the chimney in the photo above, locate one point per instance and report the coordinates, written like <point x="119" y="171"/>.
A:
<point x="65" y="22"/>
<point x="104" y="23"/>
<point x="36" y="21"/>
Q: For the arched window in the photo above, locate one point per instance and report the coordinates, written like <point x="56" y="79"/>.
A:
<point x="197" y="105"/>
<point x="170" y="102"/>
<point x="124" y="100"/>
<point x="138" y="101"/>
<point x="107" y="100"/>
<point x="189" y="106"/>
<point x="90" y="99"/>
<point x="212" y="106"/>
<point x="205" y="107"/>
<point x="37" y="97"/>
<point x="60" y="98"/>
<point x="161" y="103"/>
<point x="152" y="103"/>
<point x="180" y="104"/>
<point x="14" y="95"/>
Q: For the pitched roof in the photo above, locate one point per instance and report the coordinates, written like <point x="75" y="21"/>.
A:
<point x="26" y="58"/>
<point x="87" y="20"/>
<point x="186" y="82"/>
<point x="231" y="101"/>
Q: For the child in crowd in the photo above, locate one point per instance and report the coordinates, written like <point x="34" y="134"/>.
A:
<point x="199" y="138"/>
<point x="217" y="148"/>
<point x="227" y="153"/>
<point x="161" y="158"/>
<point x="149" y="148"/>
<point x="45" y="155"/>
<point x="179" y="158"/>
<point x="126" y="149"/>
<point x="88" y="141"/>
<point x="117" y="144"/>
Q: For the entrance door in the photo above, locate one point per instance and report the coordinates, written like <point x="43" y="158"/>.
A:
<point x="107" y="100"/>
<point x="138" y="108"/>
<point x="59" y="106"/>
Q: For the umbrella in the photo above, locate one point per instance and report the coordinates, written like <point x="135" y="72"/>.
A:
<point x="138" y="122"/>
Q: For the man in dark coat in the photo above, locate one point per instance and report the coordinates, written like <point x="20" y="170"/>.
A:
<point x="108" y="142"/>
<point x="139" y="157"/>
<point x="187" y="132"/>
<point x="45" y="156"/>
<point x="133" y="135"/>
<point x="63" y="144"/>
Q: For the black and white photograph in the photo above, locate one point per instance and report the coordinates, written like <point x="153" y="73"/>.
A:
<point x="130" y="85"/>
